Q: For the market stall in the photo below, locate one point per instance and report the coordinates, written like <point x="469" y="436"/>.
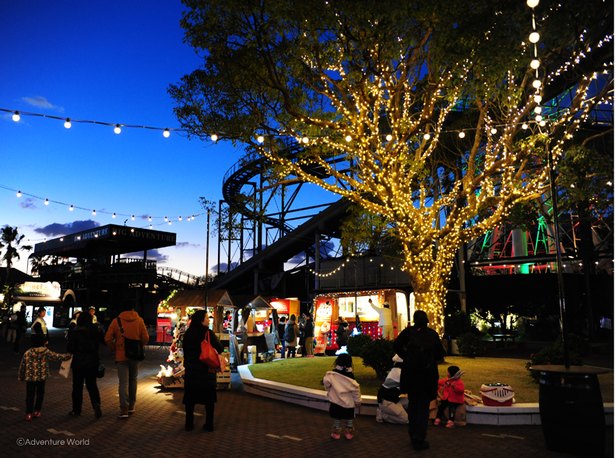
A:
<point x="255" y="332"/>
<point x="175" y="312"/>
<point x="356" y="310"/>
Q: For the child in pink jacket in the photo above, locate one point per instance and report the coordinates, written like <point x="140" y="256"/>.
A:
<point x="450" y="390"/>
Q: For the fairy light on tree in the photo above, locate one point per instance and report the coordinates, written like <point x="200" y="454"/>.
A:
<point x="430" y="105"/>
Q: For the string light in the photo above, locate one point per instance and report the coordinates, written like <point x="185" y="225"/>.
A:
<point x="68" y="122"/>
<point x="166" y="132"/>
<point x="114" y="215"/>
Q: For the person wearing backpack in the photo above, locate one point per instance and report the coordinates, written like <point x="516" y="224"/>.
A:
<point x="421" y="349"/>
<point x="290" y="336"/>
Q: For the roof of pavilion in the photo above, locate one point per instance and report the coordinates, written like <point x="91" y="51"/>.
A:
<point x="105" y="241"/>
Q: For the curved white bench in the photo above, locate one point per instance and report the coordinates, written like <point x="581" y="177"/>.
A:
<point x="517" y="414"/>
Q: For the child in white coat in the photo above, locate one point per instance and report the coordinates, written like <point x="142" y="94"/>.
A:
<point x="344" y="394"/>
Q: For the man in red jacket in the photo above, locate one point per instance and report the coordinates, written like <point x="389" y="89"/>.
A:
<point x="130" y="325"/>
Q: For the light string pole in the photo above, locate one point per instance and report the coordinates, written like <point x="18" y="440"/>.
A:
<point x="561" y="290"/>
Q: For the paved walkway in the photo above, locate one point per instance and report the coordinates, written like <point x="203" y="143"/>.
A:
<point x="246" y="425"/>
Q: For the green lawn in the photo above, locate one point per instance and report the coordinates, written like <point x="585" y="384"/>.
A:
<point x="308" y="372"/>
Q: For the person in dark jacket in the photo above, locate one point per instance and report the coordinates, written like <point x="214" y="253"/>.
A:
<point x="83" y="344"/>
<point x="39" y="327"/>
<point x="421" y="349"/>
<point x="281" y="328"/>
<point x="308" y="335"/>
<point x="199" y="380"/>
<point x="21" y="327"/>
<point x="341" y="332"/>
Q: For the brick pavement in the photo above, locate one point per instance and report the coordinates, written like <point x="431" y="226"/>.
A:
<point x="246" y="425"/>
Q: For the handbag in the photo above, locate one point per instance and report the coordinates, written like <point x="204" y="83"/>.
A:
<point x="65" y="367"/>
<point x="101" y="370"/>
<point x="133" y="349"/>
<point x="209" y="355"/>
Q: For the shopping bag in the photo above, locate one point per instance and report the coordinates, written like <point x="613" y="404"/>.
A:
<point x="134" y="349"/>
<point x="223" y="363"/>
<point x="65" y="367"/>
<point x="209" y="355"/>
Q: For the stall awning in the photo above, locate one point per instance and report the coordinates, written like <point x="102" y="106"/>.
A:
<point x="254" y="303"/>
<point x="219" y="297"/>
<point x="194" y="298"/>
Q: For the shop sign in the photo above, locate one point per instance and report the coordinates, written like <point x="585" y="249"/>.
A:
<point x="48" y="289"/>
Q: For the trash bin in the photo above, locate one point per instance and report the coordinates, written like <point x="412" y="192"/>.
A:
<point x="571" y="409"/>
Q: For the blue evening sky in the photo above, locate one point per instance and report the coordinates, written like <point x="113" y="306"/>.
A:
<point x="108" y="61"/>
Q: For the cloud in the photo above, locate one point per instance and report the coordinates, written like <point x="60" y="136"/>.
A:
<point x="223" y="267"/>
<point x="57" y="229"/>
<point x="187" y="245"/>
<point x="28" y="203"/>
<point x="152" y="255"/>
<point x="41" y="102"/>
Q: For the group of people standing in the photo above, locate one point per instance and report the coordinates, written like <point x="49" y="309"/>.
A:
<point x="293" y="334"/>
<point x="83" y="339"/>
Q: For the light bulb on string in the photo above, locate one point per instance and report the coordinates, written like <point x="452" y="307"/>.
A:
<point x="462" y="134"/>
<point x="179" y="218"/>
<point x="67" y="124"/>
<point x="19" y="194"/>
<point x="260" y="139"/>
<point x="93" y="212"/>
<point x="166" y="133"/>
<point x="534" y="37"/>
<point x="533" y="3"/>
<point x="426" y="136"/>
<point x="114" y="215"/>
<point x="16" y="116"/>
<point x="71" y="208"/>
<point x="46" y="201"/>
<point x="214" y="137"/>
<point x="348" y="138"/>
<point x="535" y="64"/>
<point x="389" y="137"/>
<point x="132" y="217"/>
<point x="537" y="98"/>
<point x="536" y="84"/>
<point x="117" y="129"/>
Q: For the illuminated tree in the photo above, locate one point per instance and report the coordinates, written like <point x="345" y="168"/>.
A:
<point x="426" y="113"/>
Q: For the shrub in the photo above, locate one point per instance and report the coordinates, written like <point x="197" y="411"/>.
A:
<point x="378" y="354"/>
<point x="469" y="344"/>
<point x="456" y="324"/>
<point x="554" y="354"/>
<point x="357" y="343"/>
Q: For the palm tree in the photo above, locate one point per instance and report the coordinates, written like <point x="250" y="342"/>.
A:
<point x="10" y="242"/>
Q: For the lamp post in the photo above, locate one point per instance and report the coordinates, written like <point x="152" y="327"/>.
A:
<point x="561" y="290"/>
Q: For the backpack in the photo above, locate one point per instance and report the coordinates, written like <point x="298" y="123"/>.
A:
<point x="289" y="333"/>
